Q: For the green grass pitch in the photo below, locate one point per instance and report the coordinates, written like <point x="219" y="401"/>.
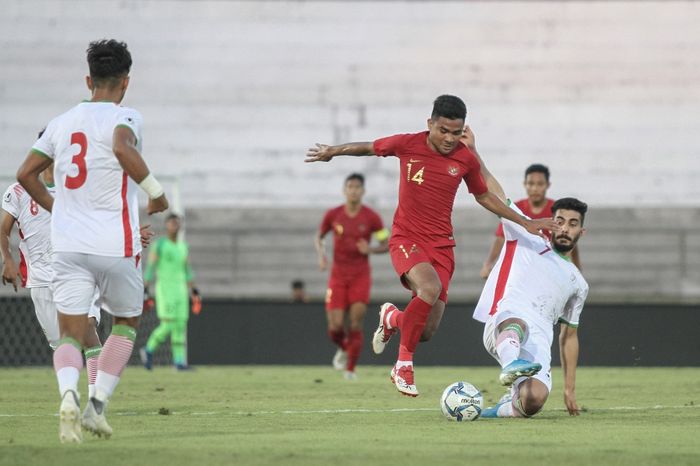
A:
<point x="300" y="415"/>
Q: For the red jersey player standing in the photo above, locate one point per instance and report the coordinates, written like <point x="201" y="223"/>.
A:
<point x="535" y="205"/>
<point x="349" y="284"/>
<point x="433" y="165"/>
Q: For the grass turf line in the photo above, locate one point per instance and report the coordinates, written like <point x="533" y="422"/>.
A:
<point x="310" y="415"/>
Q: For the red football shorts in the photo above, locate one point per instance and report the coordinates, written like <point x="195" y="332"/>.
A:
<point x="346" y="290"/>
<point x="406" y="253"/>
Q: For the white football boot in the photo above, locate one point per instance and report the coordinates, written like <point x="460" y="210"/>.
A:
<point x="383" y="333"/>
<point x="340" y="360"/>
<point x="403" y="380"/>
<point x="94" y="422"/>
<point x="69" y="413"/>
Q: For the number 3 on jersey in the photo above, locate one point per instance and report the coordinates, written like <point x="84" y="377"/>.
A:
<point x="74" y="182"/>
<point x="417" y="177"/>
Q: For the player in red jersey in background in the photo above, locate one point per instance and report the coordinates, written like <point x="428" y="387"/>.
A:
<point x="349" y="284"/>
<point x="535" y="205"/>
<point x="433" y="165"/>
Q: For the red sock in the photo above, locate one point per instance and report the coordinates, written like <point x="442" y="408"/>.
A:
<point x="395" y="318"/>
<point x="354" y="348"/>
<point x="338" y="337"/>
<point x="411" y="325"/>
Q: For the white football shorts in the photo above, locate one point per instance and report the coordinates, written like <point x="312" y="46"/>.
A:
<point x="118" y="281"/>
<point x="537" y="346"/>
<point x="46" y="314"/>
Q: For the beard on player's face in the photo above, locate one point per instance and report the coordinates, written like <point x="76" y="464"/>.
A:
<point x="563" y="242"/>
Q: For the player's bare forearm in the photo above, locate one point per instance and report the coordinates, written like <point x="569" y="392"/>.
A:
<point x="569" y="349"/>
<point x="10" y="272"/>
<point x="320" y="251"/>
<point x="325" y="153"/>
<point x="28" y="177"/>
<point x="6" y="225"/>
<point x="124" y="148"/>
<point x="491" y="202"/>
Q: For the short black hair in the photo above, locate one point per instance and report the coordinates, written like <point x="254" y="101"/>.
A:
<point x="109" y="60"/>
<point x="571" y="203"/>
<point x="297" y="284"/>
<point x="450" y="107"/>
<point x="172" y="216"/>
<point x="356" y="176"/>
<point x="538" y="168"/>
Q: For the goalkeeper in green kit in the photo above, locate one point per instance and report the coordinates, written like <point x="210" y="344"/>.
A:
<point x="174" y="286"/>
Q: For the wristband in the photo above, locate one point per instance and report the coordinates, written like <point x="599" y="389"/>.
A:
<point x="152" y="187"/>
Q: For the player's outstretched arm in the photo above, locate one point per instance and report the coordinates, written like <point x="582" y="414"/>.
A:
<point x="124" y="148"/>
<point x="568" y="350"/>
<point x="10" y="272"/>
<point x="28" y="177"/>
<point x="324" y="153"/>
<point x="493" y="203"/>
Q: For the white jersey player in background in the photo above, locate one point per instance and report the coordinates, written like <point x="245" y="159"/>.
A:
<point x="35" y="270"/>
<point x="533" y="287"/>
<point x="94" y="228"/>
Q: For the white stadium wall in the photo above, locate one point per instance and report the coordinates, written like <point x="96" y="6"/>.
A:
<point x="607" y="94"/>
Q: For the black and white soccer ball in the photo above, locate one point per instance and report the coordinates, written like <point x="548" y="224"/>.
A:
<point x="461" y="401"/>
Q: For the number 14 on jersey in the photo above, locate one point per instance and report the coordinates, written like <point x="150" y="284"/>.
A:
<point x="417" y="176"/>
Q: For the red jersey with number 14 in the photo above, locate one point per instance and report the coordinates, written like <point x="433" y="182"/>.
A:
<point x="347" y="231"/>
<point x="428" y="186"/>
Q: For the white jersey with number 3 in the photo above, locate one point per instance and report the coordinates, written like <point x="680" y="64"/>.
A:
<point x="96" y="206"/>
<point x="531" y="279"/>
<point x="34" y="225"/>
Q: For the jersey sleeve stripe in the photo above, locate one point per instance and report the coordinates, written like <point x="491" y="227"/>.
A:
<point x="503" y="274"/>
<point x="568" y="324"/>
<point x="38" y="152"/>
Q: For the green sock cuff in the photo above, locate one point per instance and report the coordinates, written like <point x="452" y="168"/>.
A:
<point x="517" y="329"/>
<point x="70" y="341"/>
<point x="124" y="331"/>
<point x="92" y="352"/>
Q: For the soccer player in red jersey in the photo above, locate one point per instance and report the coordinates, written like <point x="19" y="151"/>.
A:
<point x="433" y="165"/>
<point x="535" y="205"/>
<point x="353" y="225"/>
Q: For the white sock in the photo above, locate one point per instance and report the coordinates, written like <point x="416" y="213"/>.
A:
<point x="105" y="385"/>
<point x="67" y="379"/>
<point x="91" y="390"/>
<point x="507" y="347"/>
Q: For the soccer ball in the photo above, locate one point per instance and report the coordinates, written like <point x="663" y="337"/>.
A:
<point x="461" y="401"/>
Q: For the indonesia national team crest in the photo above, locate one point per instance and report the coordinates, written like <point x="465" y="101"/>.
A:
<point x="452" y="170"/>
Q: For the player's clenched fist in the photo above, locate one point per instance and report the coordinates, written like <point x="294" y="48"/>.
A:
<point x="156" y="205"/>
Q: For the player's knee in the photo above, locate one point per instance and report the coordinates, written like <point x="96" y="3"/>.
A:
<point x="132" y="322"/>
<point x="430" y="291"/>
